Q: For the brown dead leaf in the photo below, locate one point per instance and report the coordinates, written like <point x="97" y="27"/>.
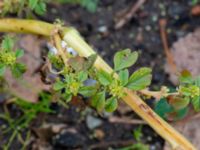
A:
<point x="30" y="85"/>
<point x="186" y="53"/>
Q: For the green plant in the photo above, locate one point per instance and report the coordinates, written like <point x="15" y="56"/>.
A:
<point x="175" y="105"/>
<point x="137" y="133"/>
<point x="20" y="6"/>
<point x="39" y="6"/>
<point x="108" y="85"/>
<point x="29" y="111"/>
<point x="8" y="58"/>
<point x="90" y="5"/>
<point x="81" y="70"/>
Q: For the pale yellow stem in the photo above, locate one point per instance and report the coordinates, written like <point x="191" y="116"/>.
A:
<point x="135" y="102"/>
<point x="74" y="40"/>
<point x="61" y="52"/>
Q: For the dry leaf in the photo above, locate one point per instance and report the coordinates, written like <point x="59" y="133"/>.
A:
<point x="31" y="85"/>
<point x="186" y="53"/>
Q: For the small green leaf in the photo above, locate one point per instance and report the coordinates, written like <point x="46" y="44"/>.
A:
<point x="111" y="104"/>
<point x="179" y="103"/>
<point x="40" y="8"/>
<point x="196" y="103"/>
<point x="67" y="97"/>
<point x="32" y="3"/>
<point x="140" y="79"/>
<point x="124" y="59"/>
<point x="18" y="69"/>
<point x="82" y="76"/>
<point x="197" y="81"/>
<point x="123" y="77"/>
<point x="19" y="53"/>
<point x="90" y="5"/>
<point x="87" y="91"/>
<point x="186" y="77"/>
<point x="7" y="43"/>
<point x="104" y="77"/>
<point x="2" y="69"/>
<point x="58" y="85"/>
<point x="98" y="101"/>
<point x="138" y="133"/>
<point x="162" y="108"/>
<point x="181" y="113"/>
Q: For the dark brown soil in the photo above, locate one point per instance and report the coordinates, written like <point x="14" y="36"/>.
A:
<point x="141" y="33"/>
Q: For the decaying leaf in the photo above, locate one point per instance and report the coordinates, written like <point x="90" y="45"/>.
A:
<point x="31" y="85"/>
<point x="186" y="53"/>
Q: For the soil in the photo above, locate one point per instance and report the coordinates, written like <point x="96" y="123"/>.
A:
<point x="141" y="33"/>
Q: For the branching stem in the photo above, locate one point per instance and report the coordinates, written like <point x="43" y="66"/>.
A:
<point x="75" y="41"/>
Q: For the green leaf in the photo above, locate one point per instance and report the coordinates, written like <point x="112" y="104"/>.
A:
<point x="19" y="53"/>
<point x="124" y="59"/>
<point x="138" y="133"/>
<point x="18" y="69"/>
<point x="90" y="5"/>
<point x="40" y="8"/>
<point x="2" y="69"/>
<point x="82" y="76"/>
<point x="140" y="79"/>
<point x="186" y="77"/>
<point x="162" y="108"/>
<point x="87" y="91"/>
<point x="58" y="85"/>
<point x="98" y="101"/>
<point x="196" y="103"/>
<point x="90" y="61"/>
<point x="32" y="3"/>
<point x="180" y="114"/>
<point x="179" y="103"/>
<point x="67" y="97"/>
<point x="7" y="43"/>
<point x="111" y="104"/>
<point x="197" y="81"/>
<point x="137" y="146"/>
<point x="104" y="77"/>
<point x="123" y="76"/>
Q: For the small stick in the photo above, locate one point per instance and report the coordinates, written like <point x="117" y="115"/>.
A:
<point x="126" y="120"/>
<point x="163" y="34"/>
<point x="129" y="15"/>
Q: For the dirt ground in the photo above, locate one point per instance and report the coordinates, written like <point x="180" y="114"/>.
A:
<point x="141" y="33"/>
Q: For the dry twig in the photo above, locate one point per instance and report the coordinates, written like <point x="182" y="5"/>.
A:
<point x="163" y="34"/>
<point x="126" y="120"/>
<point x="129" y="15"/>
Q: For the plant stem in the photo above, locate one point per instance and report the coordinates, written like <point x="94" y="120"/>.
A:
<point x="62" y="54"/>
<point x="74" y="40"/>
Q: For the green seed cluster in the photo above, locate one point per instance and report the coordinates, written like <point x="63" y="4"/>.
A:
<point x="74" y="88"/>
<point x="116" y="90"/>
<point x="7" y="58"/>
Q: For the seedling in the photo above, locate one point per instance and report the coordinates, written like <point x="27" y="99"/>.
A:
<point x="89" y="76"/>
<point x="8" y="58"/>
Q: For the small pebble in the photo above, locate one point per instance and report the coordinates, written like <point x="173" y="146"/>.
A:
<point x="148" y="28"/>
<point x="72" y="51"/>
<point x="52" y="49"/>
<point x="93" y="122"/>
<point x="102" y="29"/>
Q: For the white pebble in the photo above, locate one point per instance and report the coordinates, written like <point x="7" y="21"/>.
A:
<point x="71" y="51"/>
